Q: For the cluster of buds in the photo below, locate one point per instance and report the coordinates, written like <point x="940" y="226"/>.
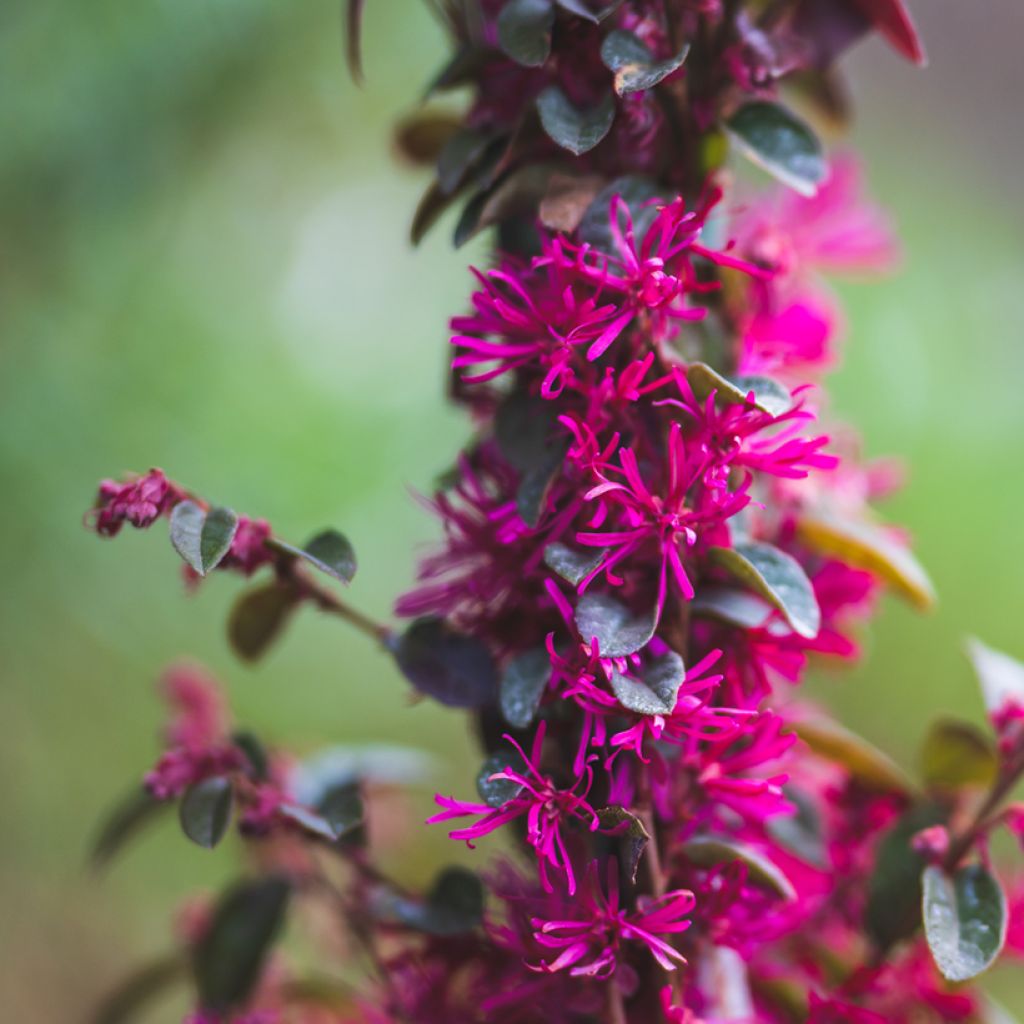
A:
<point x="648" y="540"/>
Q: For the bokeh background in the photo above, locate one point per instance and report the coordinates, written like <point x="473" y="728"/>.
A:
<point x="204" y="266"/>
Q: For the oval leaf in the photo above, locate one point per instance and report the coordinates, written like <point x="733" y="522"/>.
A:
<point x="229" y="957"/>
<point x="866" y="763"/>
<point x="778" y="141"/>
<point x="454" y="906"/>
<point x="622" y="822"/>
<point x="258" y="616"/>
<point x="124" y="823"/>
<point x="1001" y="677"/>
<point x="329" y="551"/>
<point x="957" y="754"/>
<point x="202" y="538"/>
<point x="576" y="130"/>
<point x="454" y="669"/>
<point x="633" y="63"/>
<point x="766" y="394"/>
<point x="218" y="532"/>
<point x="656" y="691"/>
<point x="777" y="577"/>
<point x="617" y="631"/>
<point x="707" y="852"/>
<point x="865" y="546"/>
<point x="735" y="607"/>
<point x="965" y="920"/>
<point x="205" y="811"/>
<point x="637" y="192"/>
<point x="572" y="566"/>
<point x="459" y="155"/>
<point x="524" y="31"/>
<point x="893" y="908"/>
<point x="497" y="792"/>
<point x="523" y="685"/>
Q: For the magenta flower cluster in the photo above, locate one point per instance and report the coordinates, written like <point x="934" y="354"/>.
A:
<point x="653" y="534"/>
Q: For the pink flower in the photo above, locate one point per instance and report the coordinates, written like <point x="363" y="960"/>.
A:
<point x="140" y="501"/>
<point x="248" y="551"/>
<point x="588" y="944"/>
<point x="545" y="806"/>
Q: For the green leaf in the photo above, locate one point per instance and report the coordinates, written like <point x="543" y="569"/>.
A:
<point x="631" y="828"/>
<point x="633" y="63"/>
<point x="228" y="959"/>
<point x="258" y="616"/>
<point x="127" y="1001"/>
<point x="777" y="577"/>
<point x="708" y="852"/>
<point x="893" y="909"/>
<point x="522" y="686"/>
<point x="576" y="130"/>
<point x="617" y="631"/>
<point x="202" y="538"/>
<point x="459" y="155"/>
<point x="769" y="395"/>
<point x="525" y="428"/>
<point x="205" y="811"/>
<point x="524" y="31"/>
<point x="255" y="754"/>
<point x="656" y="691"/>
<point x="957" y="754"/>
<point x="517" y="194"/>
<point x="329" y="551"/>
<point x="866" y="546"/>
<point x="803" y="833"/>
<point x="572" y="566"/>
<point x="339" y="811"/>
<point x="496" y="792"/>
<point x="778" y="141"/>
<point x="637" y="192"/>
<point x="1001" y="677"/>
<point x="454" y="906"/>
<point x="866" y="763"/>
<point x="451" y="667"/>
<point x="535" y="486"/>
<point x="734" y="607"/>
<point x="125" y="821"/>
<point x="965" y="920"/>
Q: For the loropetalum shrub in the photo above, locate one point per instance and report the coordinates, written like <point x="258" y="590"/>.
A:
<point x="646" y="542"/>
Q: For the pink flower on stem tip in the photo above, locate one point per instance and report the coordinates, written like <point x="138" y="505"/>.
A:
<point x="545" y="806"/>
<point x="667" y="517"/>
<point x="588" y="944"/>
<point x="139" y="501"/>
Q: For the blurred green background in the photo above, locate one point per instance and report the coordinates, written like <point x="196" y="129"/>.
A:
<point x="204" y="266"/>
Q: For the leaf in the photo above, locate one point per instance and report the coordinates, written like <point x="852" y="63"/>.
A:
<point x="866" y="546"/>
<point x="525" y="430"/>
<point x="957" y="754"/>
<point x="567" y="198"/>
<point x="769" y="395"/>
<point x="777" y="577"/>
<point x="132" y="995"/>
<point x="965" y="920"/>
<point x="125" y="821"/>
<point x="353" y="38"/>
<point x="522" y="686"/>
<point x="572" y="566"/>
<point x="535" y="486"/>
<point x="258" y="616"/>
<point x="803" y="833"/>
<point x="617" y="631"/>
<point x="1001" y="677"/>
<point x="422" y="137"/>
<point x="451" y="667"/>
<point x="329" y="551"/>
<point x="637" y="193"/>
<point x="893" y="909"/>
<point x="633" y="63"/>
<point x="572" y="128"/>
<point x="656" y="691"/>
<point x="497" y="792"/>
<point x="524" y="31"/>
<point x="205" y="811"/>
<point x="454" y="906"/>
<point x="460" y="154"/>
<point x="707" y="853"/>
<point x="202" y="538"/>
<point x="430" y="207"/>
<point x="734" y="607"/>
<point x="515" y="195"/>
<point x="866" y="763"/>
<point x="778" y="141"/>
<point x="254" y="753"/>
<point x="631" y="828"/>
<point x="229" y="957"/>
<point x="339" y="812"/>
